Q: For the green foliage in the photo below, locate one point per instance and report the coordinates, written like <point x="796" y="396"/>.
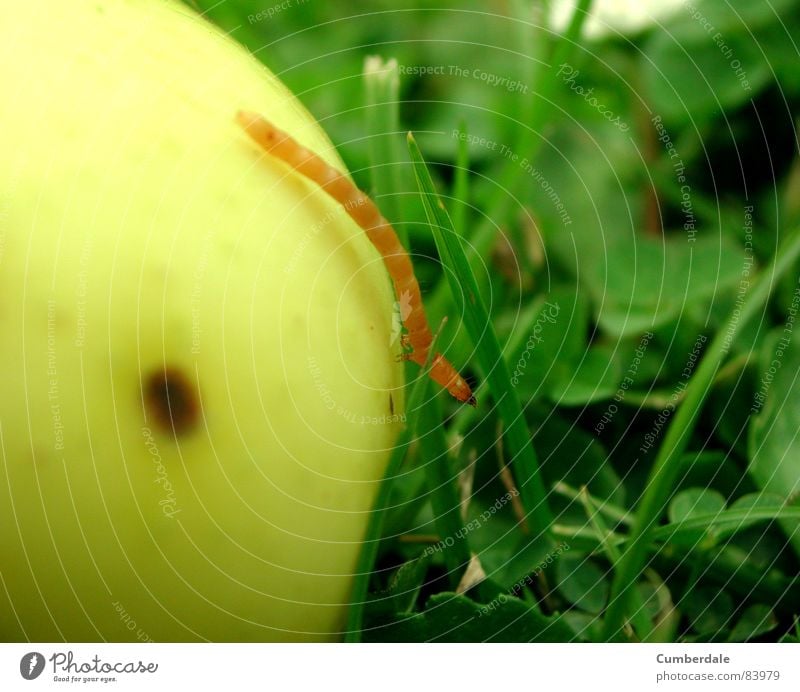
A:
<point x="581" y="583"/>
<point x="609" y="231"/>
<point x="452" y="618"/>
<point x="774" y="446"/>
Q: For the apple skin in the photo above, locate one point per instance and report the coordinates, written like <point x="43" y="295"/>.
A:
<point x="199" y="396"/>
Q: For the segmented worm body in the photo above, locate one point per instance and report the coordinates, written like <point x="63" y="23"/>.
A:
<point x="380" y="232"/>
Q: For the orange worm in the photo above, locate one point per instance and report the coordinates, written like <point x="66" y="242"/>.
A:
<point x="380" y="232"/>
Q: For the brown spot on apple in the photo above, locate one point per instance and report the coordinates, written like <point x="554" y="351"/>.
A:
<point x="171" y="398"/>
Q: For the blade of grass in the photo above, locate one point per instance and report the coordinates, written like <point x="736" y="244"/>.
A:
<point x="382" y="87"/>
<point x="461" y="179"/>
<point x="613" y="512"/>
<point x="605" y="536"/>
<point x="487" y="348"/>
<point x="381" y="105"/>
<point x="729" y="520"/>
<point x="641" y="623"/>
<point x="444" y="498"/>
<point x="668" y="465"/>
<point x="721" y="524"/>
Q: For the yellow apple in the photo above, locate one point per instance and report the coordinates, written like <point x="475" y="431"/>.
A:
<point x="198" y="391"/>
